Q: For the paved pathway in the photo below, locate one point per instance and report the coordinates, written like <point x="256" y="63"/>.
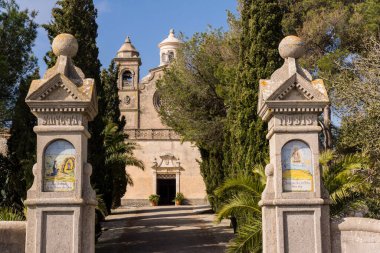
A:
<point x="163" y="230"/>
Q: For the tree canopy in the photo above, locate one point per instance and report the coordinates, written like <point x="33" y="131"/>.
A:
<point x="194" y="94"/>
<point x="261" y="32"/>
<point x="18" y="30"/>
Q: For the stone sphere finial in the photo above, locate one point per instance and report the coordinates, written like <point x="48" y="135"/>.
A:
<point x="65" y="44"/>
<point x="291" y="47"/>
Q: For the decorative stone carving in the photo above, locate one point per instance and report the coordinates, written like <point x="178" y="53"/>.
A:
<point x="168" y="168"/>
<point x="168" y="162"/>
<point x="152" y="134"/>
<point x="127" y="100"/>
<point x="166" y="176"/>
<point x="296" y="120"/>
<point x="60" y="119"/>
<point x="65" y="45"/>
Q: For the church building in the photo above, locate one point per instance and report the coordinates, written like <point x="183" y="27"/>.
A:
<point x="170" y="165"/>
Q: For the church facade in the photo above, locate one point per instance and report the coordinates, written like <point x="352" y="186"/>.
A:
<point x="171" y="166"/>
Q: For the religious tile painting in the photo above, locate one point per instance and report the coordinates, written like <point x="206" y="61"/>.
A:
<point x="59" y="167"/>
<point x="297" y="167"/>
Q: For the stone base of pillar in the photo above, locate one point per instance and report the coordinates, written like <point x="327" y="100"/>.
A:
<point x="302" y="228"/>
<point x="70" y="222"/>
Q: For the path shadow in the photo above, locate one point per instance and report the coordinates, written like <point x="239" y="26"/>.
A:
<point x="152" y="230"/>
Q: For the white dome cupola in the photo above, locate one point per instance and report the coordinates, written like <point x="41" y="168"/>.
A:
<point x="168" y="48"/>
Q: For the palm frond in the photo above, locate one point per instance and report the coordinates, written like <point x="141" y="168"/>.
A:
<point x="325" y="157"/>
<point x="242" y="182"/>
<point x="259" y="170"/>
<point x="343" y="178"/>
<point x="131" y="161"/>
<point x="248" y="239"/>
<point x="129" y="179"/>
<point x="241" y="204"/>
<point x="101" y="207"/>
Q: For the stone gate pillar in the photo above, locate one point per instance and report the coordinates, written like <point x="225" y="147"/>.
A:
<point x="61" y="202"/>
<point x="295" y="206"/>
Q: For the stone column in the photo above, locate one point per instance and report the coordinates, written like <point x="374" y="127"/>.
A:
<point x="61" y="202"/>
<point x="295" y="206"/>
<point x="154" y="182"/>
<point x="177" y="181"/>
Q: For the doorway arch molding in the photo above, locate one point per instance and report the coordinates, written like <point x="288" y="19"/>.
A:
<point x="169" y="166"/>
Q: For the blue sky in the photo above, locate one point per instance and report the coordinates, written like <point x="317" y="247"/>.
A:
<point x="147" y="22"/>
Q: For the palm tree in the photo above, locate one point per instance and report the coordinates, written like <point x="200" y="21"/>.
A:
<point x="343" y="177"/>
<point x="244" y="193"/>
<point x="345" y="180"/>
<point x="119" y="154"/>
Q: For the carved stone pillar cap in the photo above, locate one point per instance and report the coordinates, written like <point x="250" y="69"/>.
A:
<point x="291" y="47"/>
<point x="65" y="44"/>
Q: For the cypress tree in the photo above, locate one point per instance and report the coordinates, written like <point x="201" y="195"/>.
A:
<point x="245" y="144"/>
<point x="16" y="170"/>
<point x="22" y="142"/>
<point x="212" y="173"/>
<point x="111" y="99"/>
<point x="78" y="17"/>
<point x="114" y="136"/>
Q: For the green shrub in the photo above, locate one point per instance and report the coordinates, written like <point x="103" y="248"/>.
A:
<point x="154" y="198"/>
<point x="8" y="214"/>
<point x="179" y="197"/>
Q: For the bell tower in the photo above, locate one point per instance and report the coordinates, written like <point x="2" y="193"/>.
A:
<point x="168" y="48"/>
<point x="128" y="83"/>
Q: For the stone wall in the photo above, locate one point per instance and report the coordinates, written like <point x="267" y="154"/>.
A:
<point x="12" y="236"/>
<point x="191" y="181"/>
<point x="354" y="235"/>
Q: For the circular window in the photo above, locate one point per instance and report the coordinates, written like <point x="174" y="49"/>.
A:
<point x="157" y="101"/>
